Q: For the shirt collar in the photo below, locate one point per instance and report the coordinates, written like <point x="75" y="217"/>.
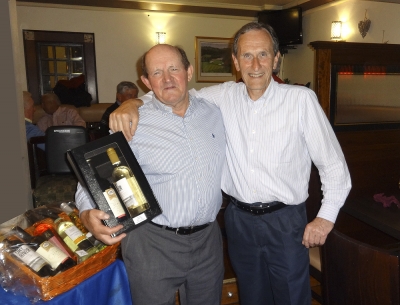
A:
<point x="166" y="109"/>
<point x="268" y="92"/>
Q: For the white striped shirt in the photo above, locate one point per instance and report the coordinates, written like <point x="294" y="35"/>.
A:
<point x="182" y="158"/>
<point x="271" y="142"/>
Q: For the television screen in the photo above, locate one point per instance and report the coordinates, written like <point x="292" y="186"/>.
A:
<point x="287" y="24"/>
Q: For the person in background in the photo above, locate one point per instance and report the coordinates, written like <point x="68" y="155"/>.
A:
<point x="31" y="129"/>
<point x="274" y="132"/>
<point x="57" y="114"/>
<point x="125" y="91"/>
<point x="182" y="159"/>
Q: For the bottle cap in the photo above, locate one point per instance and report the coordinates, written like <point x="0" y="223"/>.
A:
<point x="112" y="154"/>
<point x="66" y="208"/>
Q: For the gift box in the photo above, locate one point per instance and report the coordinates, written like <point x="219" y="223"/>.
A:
<point x="98" y="166"/>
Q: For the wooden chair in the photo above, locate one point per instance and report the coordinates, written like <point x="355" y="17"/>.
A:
<point x="52" y="180"/>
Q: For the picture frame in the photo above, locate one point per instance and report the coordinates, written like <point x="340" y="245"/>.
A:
<point x="213" y="57"/>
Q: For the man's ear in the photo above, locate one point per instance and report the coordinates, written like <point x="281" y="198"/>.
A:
<point x="236" y="62"/>
<point x="190" y="73"/>
<point x="276" y="60"/>
<point x="145" y="81"/>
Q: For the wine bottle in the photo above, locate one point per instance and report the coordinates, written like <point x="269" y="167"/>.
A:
<point x="58" y="260"/>
<point x="52" y="235"/>
<point x="34" y="218"/>
<point x="97" y="243"/>
<point x="75" y="239"/>
<point x="24" y="253"/>
<point x="112" y="198"/>
<point x="127" y="186"/>
<point x="49" y="212"/>
<point x="73" y="216"/>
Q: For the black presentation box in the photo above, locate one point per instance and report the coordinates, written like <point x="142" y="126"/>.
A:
<point x="94" y="169"/>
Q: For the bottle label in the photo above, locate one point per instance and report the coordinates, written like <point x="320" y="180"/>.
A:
<point x="114" y="203"/>
<point x="29" y="257"/>
<point x="81" y="253"/>
<point x="52" y="254"/>
<point x="126" y="193"/>
<point x="70" y="243"/>
<point x="56" y="242"/>
<point x="138" y="219"/>
<point x="75" y="234"/>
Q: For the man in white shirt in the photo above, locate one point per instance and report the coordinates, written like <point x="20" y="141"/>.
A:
<point x="274" y="131"/>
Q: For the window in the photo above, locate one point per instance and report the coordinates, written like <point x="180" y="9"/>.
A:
<point x="53" y="56"/>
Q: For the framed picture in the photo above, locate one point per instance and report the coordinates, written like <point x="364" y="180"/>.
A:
<point x="214" y="62"/>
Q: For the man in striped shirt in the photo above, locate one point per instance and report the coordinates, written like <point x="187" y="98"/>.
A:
<point x="182" y="159"/>
<point x="274" y="131"/>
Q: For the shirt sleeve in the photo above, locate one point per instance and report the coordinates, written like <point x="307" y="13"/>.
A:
<point x="215" y="94"/>
<point x="327" y="155"/>
<point x="147" y="97"/>
<point x="83" y="201"/>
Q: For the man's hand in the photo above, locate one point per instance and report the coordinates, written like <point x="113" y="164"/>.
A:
<point x="92" y="220"/>
<point x="316" y="232"/>
<point x="126" y="117"/>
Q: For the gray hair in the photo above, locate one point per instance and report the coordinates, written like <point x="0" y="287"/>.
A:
<point x="184" y="60"/>
<point x="259" y="26"/>
<point x="123" y="86"/>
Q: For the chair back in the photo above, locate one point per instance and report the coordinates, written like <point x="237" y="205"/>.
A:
<point x="58" y="140"/>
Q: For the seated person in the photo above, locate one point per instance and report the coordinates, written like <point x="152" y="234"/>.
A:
<point x="57" y="114"/>
<point x="31" y="129"/>
<point x="125" y="91"/>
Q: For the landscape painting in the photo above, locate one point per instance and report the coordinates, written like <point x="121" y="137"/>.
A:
<point x="214" y="62"/>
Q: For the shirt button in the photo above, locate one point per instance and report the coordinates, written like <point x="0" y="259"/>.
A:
<point x="251" y="150"/>
<point x="253" y="132"/>
<point x="252" y="170"/>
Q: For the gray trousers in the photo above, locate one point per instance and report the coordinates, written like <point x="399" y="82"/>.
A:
<point x="158" y="262"/>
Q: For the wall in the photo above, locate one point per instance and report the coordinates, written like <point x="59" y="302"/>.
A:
<point x="298" y="63"/>
<point x="122" y="36"/>
<point x="14" y="180"/>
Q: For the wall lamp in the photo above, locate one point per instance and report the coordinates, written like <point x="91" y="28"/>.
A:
<point x="336" y="30"/>
<point x="161" y="37"/>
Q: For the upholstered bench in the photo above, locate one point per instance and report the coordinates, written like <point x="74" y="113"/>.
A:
<point x="91" y="115"/>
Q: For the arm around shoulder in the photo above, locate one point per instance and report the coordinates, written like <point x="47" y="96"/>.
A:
<point x="126" y="117"/>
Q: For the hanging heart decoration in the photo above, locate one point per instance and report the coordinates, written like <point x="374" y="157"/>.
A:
<point x="363" y="26"/>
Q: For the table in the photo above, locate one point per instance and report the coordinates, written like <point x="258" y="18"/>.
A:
<point x="107" y="287"/>
<point x="374" y="214"/>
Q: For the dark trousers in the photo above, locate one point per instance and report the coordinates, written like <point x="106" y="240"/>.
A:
<point x="271" y="264"/>
<point x="159" y="262"/>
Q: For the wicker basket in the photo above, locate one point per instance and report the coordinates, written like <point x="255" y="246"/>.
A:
<point x="24" y="281"/>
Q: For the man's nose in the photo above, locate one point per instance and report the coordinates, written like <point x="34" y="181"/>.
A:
<point x="167" y="76"/>
<point x="255" y="64"/>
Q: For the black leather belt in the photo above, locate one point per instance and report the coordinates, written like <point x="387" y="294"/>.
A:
<point x="258" y="208"/>
<point x="182" y="230"/>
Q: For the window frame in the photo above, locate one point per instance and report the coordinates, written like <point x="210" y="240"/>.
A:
<point x="31" y="49"/>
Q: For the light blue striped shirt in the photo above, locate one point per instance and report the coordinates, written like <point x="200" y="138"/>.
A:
<point x="271" y="143"/>
<point x="182" y="158"/>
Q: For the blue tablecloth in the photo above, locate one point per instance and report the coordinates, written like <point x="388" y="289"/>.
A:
<point x="107" y="287"/>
